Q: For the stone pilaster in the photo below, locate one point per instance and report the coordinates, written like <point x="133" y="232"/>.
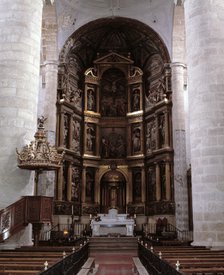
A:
<point x="204" y="21"/>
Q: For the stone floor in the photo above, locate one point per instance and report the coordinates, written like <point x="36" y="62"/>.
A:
<point x="114" y="263"/>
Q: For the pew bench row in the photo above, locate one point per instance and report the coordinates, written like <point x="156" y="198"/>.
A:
<point x="191" y="260"/>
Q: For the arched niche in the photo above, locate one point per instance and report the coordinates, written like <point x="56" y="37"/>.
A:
<point x="113" y="192"/>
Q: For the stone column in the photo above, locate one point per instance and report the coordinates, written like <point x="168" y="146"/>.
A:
<point x="20" y="29"/>
<point x="179" y="144"/>
<point x="178" y="118"/>
<point x="205" y="59"/>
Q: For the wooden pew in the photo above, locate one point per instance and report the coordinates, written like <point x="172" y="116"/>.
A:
<point x="16" y="262"/>
<point x="193" y="260"/>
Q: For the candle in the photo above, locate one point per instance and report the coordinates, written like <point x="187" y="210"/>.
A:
<point x="72" y="209"/>
<point x="90" y="216"/>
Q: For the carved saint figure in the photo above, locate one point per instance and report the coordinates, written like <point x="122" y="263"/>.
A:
<point x="136" y="140"/>
<point x="90" y="100"/>
<point x="90" y="136"/>
<point x="40" y="121"/>
<point x="136" y="100"/>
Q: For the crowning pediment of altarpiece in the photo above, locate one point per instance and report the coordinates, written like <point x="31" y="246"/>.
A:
<point x="113" y="58"/>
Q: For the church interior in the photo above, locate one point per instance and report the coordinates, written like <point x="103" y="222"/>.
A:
<point x="112" y="131"/>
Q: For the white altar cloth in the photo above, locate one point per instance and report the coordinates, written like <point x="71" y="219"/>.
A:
<point x="112" y="223"/>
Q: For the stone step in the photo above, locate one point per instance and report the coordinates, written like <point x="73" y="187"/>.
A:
<point x="113" y="245"/>
<point x="113" y="239"/>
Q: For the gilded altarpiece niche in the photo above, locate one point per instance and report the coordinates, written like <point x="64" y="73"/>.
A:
<point x="161" y="130"/>
<point x="113" y="94"/>
<point x="66" y="130"/>
<point x="137" y="184"/>
<point x="65" y="181"/>
<point x="90" y="184"/>
<point x="162" y="181"/>
<point x="135" y="98"/>
<point x="136" y="138"/>
<point x="76" y="136"/>
<point x="113" y="143"/>
<point x="91" y="98"/>
<point x="150" y="136"/>
<point x="76" y="184"/>
<point x="90" y="141"/>
<point x="151" y="184"/>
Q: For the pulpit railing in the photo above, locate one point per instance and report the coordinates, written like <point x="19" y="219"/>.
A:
<point x="12" y="219"/>
<point x="29" y="209"/>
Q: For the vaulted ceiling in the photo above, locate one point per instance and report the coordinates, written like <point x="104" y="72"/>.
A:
<point x="120" y="35"/>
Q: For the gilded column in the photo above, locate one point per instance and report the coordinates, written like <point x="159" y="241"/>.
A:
<point x="166" y="125"/>
<point x="157" y="131"/>
<point x="129" y="188"/>
<point x="97" y="141"/>
<point x="84" y="184"/>
<point x="61" y="134"/>
<point x="60" y="184"/>
<point x="158" y="183"/>
<point x="69" y="183"/>
<point x="143" y="184"/>
<point x="168" y="183"/>
<point x="97" y="187"/>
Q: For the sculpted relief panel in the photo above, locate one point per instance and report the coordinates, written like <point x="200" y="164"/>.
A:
<point x="113" y="94"/>
<point x="113" y="143"/>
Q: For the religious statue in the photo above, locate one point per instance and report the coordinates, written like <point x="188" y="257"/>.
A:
<point x="90" y="100"/>
<point x="136" y="100"/>
<point x="90" y="136"/>
<point x="76" y="136"/>
<point x="40" y="121"/>
<point x="136" y="140"/>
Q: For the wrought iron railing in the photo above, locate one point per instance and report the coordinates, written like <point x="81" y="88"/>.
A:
<point x="71" y="264"/>
<point x="150" y="229"/>
<point x="153" y="264"/>
<point x="61" y="231"/>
